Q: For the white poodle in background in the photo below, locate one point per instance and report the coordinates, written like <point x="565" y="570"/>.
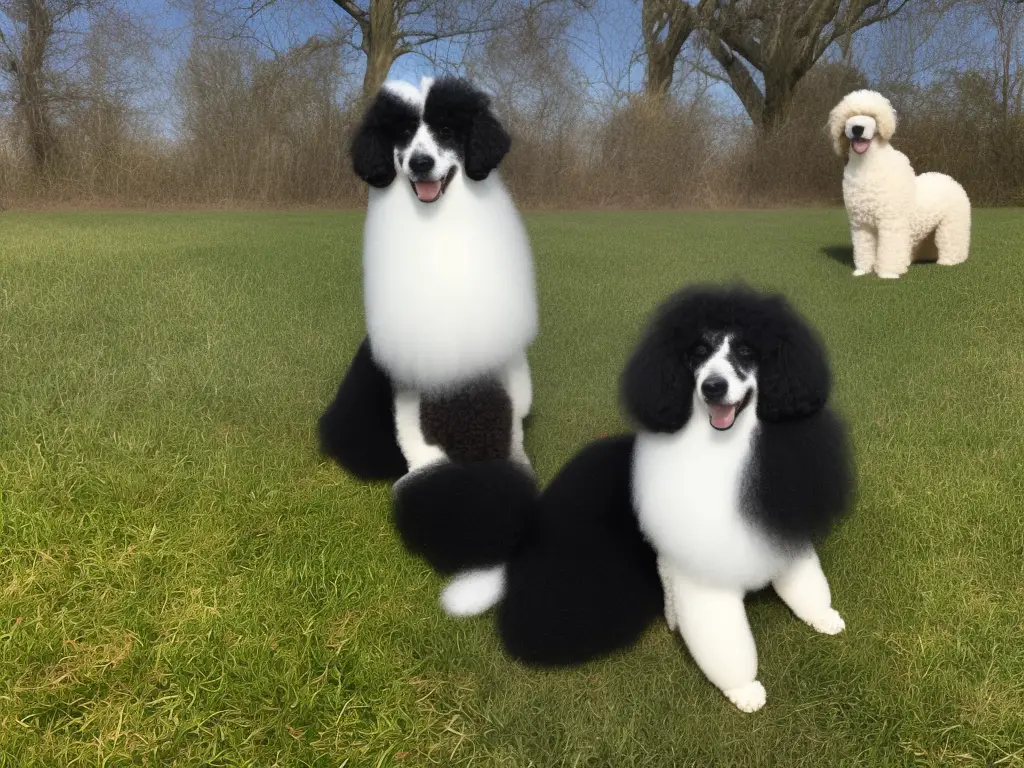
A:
<point x="892" y="212"/>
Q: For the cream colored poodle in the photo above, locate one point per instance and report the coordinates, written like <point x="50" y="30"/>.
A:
<point x="893" y="213"/>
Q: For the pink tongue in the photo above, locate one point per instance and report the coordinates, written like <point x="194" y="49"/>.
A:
<point x="722" y="416"/>
<point x="427" y="191"/>
<point x="860" y="146"/>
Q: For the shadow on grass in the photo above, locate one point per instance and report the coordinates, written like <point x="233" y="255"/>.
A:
<point x="843" y="254"/>
<point x="926" y="252"/>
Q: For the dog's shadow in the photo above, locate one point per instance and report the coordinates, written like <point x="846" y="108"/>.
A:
<point x="842" y="254"/>
<point x="925" y="252"/>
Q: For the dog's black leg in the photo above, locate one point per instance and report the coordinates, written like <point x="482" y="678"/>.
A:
<point x="358" y="429"/>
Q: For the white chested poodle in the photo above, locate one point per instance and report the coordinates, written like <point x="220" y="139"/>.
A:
<point x="894" y="213"/>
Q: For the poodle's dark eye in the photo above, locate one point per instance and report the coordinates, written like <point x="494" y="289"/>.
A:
<point x="745" y="351"/>
<point x="444" y="133"/>
<point x="701" y="350"/>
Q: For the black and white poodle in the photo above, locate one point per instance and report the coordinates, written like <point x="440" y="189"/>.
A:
<point x="437" y="393"/>
<point x="737" y="469"/>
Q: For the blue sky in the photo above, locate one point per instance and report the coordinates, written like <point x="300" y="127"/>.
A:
<point x="602" y="42"/>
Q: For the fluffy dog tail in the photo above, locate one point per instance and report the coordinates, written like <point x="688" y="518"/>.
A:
<point x="465" y="516"/>
<point x="585" y="583"/>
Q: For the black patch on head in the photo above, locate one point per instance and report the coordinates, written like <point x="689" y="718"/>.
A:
<point x="704" y="349"/>
<point x="793" y="374"/>
<point x="473" y="423"/>
<point x="741" y="356"/>
<point x="389" y="121"/>
<point x="585" y="582"/>
<point x="358" y="428"/>
<point x="460" y="118"/>
<point x="459" y="516"/>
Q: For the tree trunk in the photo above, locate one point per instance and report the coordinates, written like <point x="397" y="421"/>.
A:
<point x="660" y="69"/>
<point x="667" y="24"/>
<point x="743" y="85"/>
<point x="32" y="97"/>
<point x="778" y="94"/>
<point x="380" y="44"/>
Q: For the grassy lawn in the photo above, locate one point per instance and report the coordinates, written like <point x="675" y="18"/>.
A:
<point x="185" y="582"/>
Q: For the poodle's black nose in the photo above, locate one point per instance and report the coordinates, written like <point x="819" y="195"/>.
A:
<point x="858" y="131"/>
<point x="420" y="163"/>
<point x="714" y="388"/>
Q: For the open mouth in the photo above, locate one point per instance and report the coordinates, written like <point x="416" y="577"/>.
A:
<point x="431" y="191"/>
<point x="860" y="146"/>
<point x="723" y="416"/>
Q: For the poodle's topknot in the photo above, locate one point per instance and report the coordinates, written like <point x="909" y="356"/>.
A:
<point x="870" y="103"/>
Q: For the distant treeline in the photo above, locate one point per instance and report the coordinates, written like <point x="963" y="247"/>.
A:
<point x="244" y="128"/>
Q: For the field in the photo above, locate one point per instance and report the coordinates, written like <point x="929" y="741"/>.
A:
<point x="185" y="581"/>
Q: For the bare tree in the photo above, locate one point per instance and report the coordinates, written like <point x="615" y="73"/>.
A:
<point x="71" y="66"/>
<point x="1007" y="19"/>
<point x="781" y="40"/>
<point x="27" y="37"/>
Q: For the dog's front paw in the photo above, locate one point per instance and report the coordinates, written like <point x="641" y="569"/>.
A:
<point x="861" y="272"/>
<point x="828" y="623"/>
<point x="888" y="275"/>
<point x="747" y="698"/>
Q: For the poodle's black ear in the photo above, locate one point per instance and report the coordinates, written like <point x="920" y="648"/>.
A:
<point x="373" y="146"/>
<point x="793" y="377"/>
<point x="657" y="383"/>
<point x="487" y="144"/>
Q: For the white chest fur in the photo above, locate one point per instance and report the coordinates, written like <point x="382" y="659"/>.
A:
<point x="449" y="286"/>
<point x="878" y="186"/>
<point x="687" y="490"/>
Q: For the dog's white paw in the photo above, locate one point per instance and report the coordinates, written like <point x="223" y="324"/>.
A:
<point x="473" y="592"/>
<point x="747" y="698"/>
<point x="828" y="623"/>
<point x="861" y="272"/>
<point x="888" y="276"/>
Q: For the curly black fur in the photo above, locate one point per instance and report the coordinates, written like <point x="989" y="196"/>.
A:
<point x="473" y="423"/>
<point x="464" y="115"/>
<point x="585" y="583"/>
<point x="800" y="481"/>
<point x="387" y="121"/>
<point x="358" y="428"/>
<point x="793" y="373"/>
<point x="459" y="516"/>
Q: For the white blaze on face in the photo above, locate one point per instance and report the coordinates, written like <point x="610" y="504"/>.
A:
<point x="424" y="144"/>
<point x="427" y="184"/>
<point x="860" y="130"/>
<point x="720" y="367"/>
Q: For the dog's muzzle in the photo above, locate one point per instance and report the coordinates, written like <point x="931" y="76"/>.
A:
<point x="723" y="414"/>
<point x="430" y="190"/>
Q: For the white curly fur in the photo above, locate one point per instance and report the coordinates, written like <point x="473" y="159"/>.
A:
<point x="892" y="211"/>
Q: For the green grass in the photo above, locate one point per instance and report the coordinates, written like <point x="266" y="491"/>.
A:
<point x="183" y="581"/>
